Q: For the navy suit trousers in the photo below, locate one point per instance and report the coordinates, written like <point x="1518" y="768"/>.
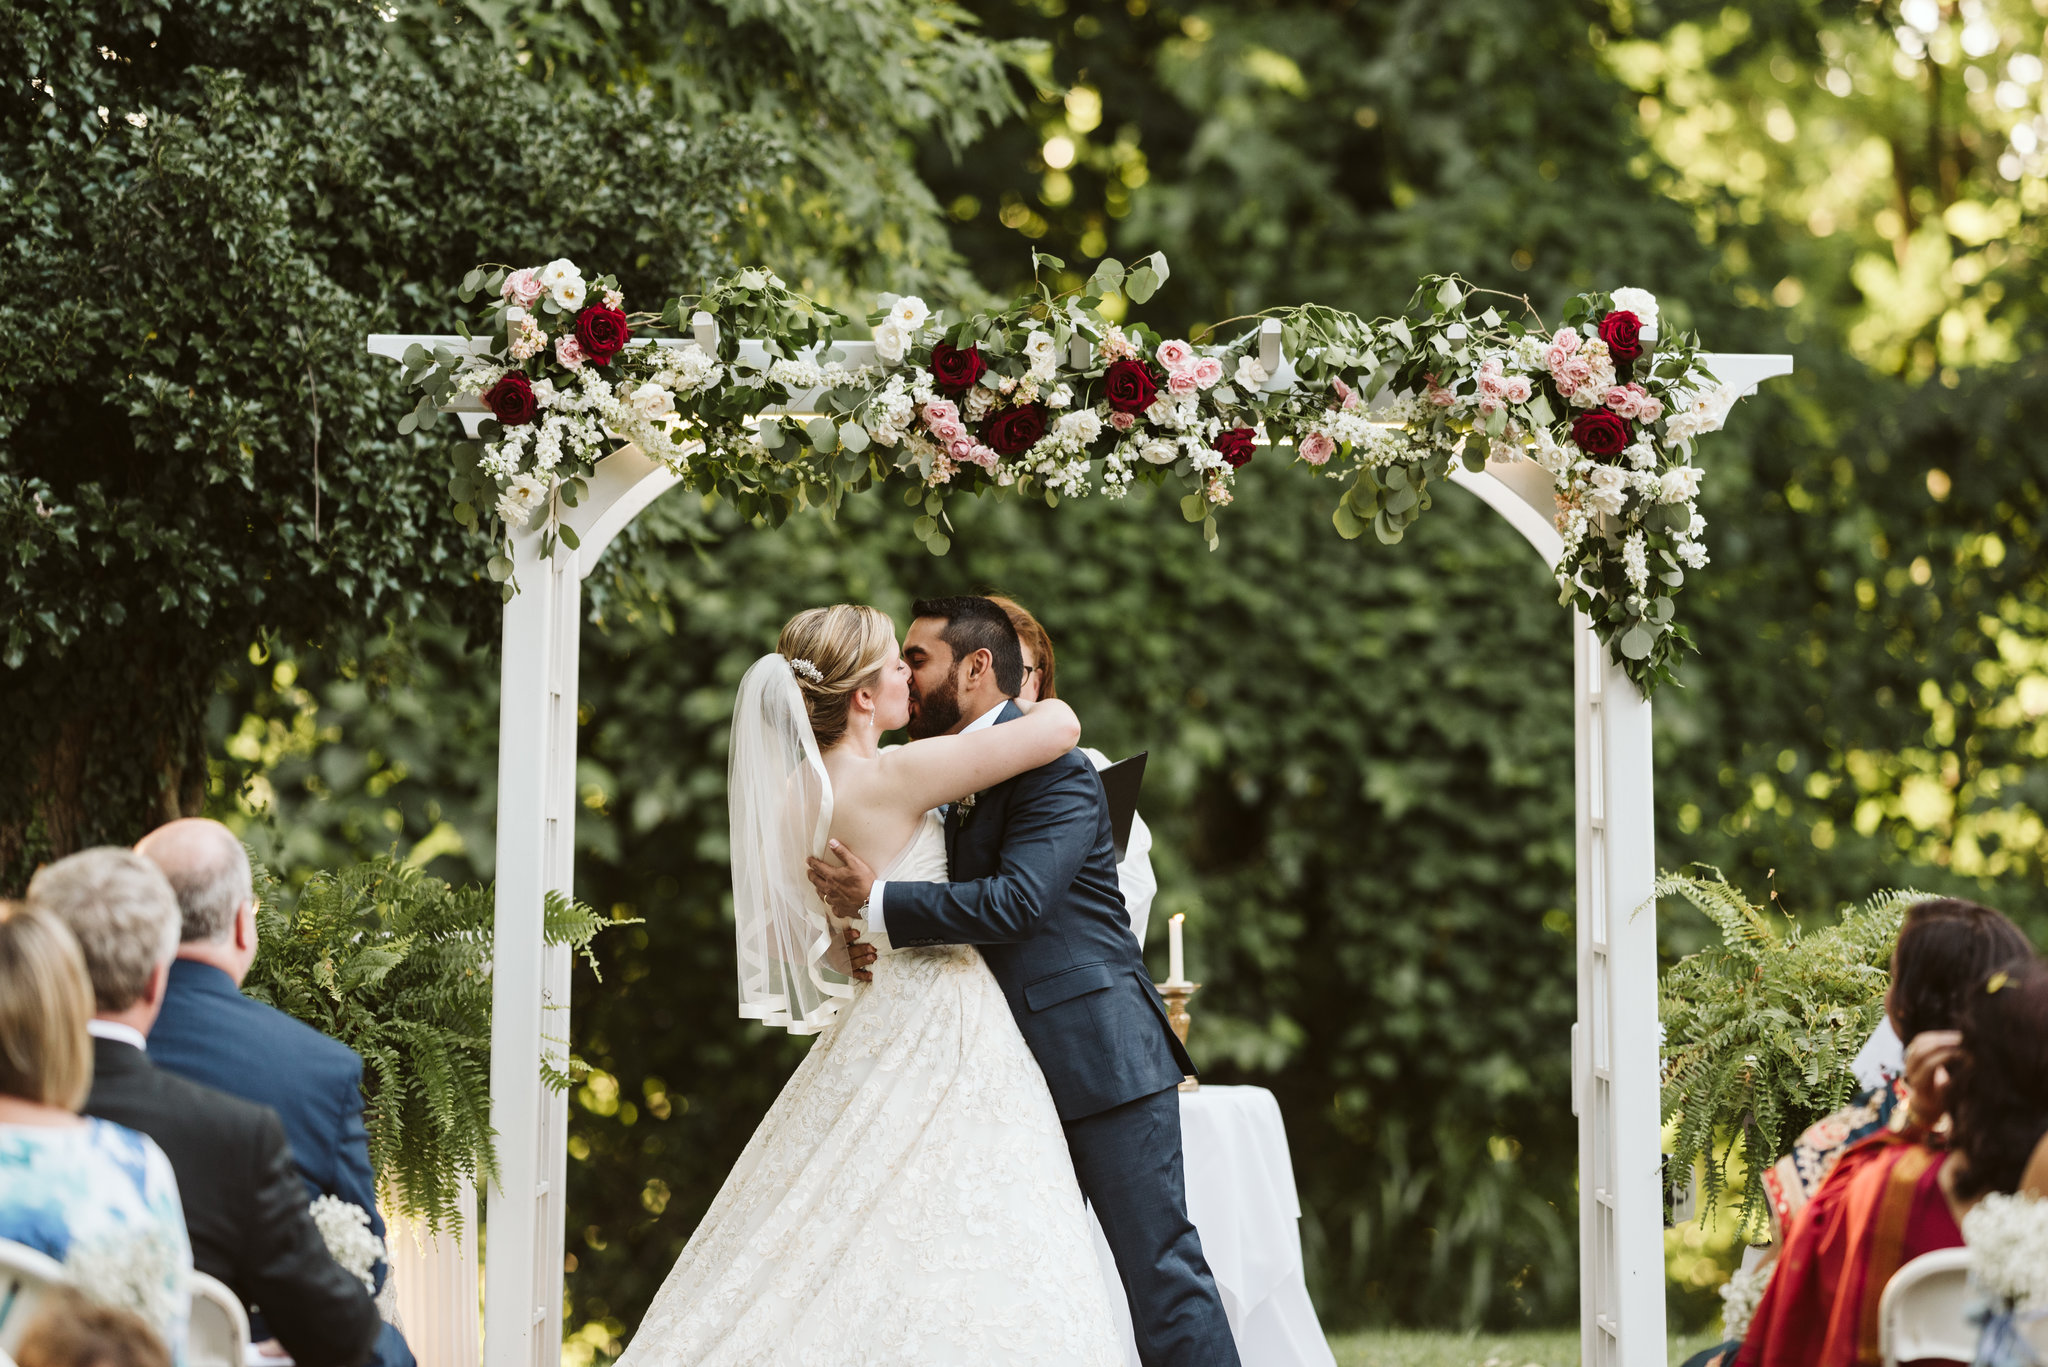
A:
<point x="1129" y="1163"/>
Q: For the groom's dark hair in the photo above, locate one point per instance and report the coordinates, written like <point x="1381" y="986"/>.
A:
<point x="974" y="623"/>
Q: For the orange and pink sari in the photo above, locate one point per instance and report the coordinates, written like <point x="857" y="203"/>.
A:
<point x="1880" y="1208"/>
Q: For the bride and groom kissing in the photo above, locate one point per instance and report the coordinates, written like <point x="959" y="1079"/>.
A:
<point x="945" y="917"/>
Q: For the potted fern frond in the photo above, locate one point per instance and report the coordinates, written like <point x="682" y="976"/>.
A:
<point x="396" y="965"/>
<point x="1760" y="1031"/>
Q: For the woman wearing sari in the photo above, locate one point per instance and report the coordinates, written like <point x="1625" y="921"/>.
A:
<point x="1900" y="1194"/>
<point x="1875" y="1157"/>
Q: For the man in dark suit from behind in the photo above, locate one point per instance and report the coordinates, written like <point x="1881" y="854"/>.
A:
<point x="211" y="1033"/>
<point x="245" y="1207"/>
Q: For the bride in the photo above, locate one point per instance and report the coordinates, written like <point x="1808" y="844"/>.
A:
<point x="909" y="1197"/>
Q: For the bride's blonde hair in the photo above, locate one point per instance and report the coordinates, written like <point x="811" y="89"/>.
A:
<point x="846" y="645"/>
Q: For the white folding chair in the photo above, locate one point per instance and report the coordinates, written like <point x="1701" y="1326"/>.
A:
<point x="1924" y="1310"/>
<point x="218" y="1334"/>
<point x="24" y="1275"/>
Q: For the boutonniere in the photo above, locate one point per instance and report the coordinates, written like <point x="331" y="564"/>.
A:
<point x="966" y="806"/>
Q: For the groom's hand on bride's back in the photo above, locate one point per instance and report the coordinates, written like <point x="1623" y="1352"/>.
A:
<point x="843" y="886"/>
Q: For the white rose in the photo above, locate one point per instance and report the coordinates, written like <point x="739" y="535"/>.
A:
<point x="1158" y="452"/>
<point x="653" y="401"/>
<point x="1643" y="305"/>
<point x="890" y="342"/>
<point x="517" y="503"/>
<point x="1250" y="374"/>
<point x="1679" y="485"/>
<point x="568" y="294"/>
<point x="558" y="271"/>
<point x="1083" y="426"/>
<point x="909" y="313"/>
<point x="544" y="393"/>
<point x="1609" y="492"/>
<point x="1059" y="396"/>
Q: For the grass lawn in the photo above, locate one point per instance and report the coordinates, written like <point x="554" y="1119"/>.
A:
<point x="1417" y="1348"/>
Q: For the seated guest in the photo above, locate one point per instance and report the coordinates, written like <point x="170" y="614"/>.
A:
<point x="96" y="1197"/>
<point x="1902" y="1193"/>
<point x="70" y="1331"/>
<point x="1134" y="874"/>
<point x="245" y="1207"/>
<point x="211" y="1033"/>
<point x="1946" y="948"/>
<point x="1997" y="1089"/>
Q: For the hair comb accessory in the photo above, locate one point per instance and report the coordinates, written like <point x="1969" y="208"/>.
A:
<point x="1999" y="980"/>
<point x="804" y="669"/>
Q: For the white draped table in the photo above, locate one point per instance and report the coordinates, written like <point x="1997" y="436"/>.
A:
<point x="1241" y="1198"/>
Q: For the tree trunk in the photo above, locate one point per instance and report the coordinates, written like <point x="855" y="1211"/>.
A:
<point x="107" y="742"/>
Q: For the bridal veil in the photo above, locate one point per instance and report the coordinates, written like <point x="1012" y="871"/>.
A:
<point x="781" y="811"/>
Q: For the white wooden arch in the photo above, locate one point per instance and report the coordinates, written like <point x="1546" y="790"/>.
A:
<point x="1614" y="1042"/>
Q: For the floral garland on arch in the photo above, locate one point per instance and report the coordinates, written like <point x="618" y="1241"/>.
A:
<point x="1052" y="397"/>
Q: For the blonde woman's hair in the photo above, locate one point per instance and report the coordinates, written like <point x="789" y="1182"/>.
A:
<point x="845" y="646"/>
<point x="45" y="1001"/>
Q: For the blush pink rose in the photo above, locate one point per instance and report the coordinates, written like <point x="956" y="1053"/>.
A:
<point x="1207" y="370"/>
<point x="1488" y="406"/>
<point x="941" y="410"/>
<point x="984" y="456"/>
<point x="1621" y="400"/>
<point x="1347" y="397"/>
<point x="1182" y="381"/>
<point x="1123" y="422"/>
<point x="1318" y="447"/>
<point x="961" y="448"/>
<point x="1649" y="408"/>
<point x="946" y="431"/>
<point x="522" y="288"/>
<point x="1516" y="389"/>
<point x="569" y="351"/>
<point x="1174" y="355"/>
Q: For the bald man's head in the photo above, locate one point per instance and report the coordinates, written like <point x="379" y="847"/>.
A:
<point x="208" y="869"/>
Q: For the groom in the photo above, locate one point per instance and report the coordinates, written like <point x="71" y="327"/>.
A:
<point x="1035" y="888"/>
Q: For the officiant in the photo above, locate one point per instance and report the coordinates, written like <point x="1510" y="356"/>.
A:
<point x="1134" y="871"/>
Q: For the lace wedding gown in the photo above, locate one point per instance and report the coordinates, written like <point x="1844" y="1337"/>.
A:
<point x="907" y="1200"/>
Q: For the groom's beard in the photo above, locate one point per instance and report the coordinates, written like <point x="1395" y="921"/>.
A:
<point x="937" y="711"/>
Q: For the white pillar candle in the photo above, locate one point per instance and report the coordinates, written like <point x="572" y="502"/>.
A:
<point x="1174" y="966"/>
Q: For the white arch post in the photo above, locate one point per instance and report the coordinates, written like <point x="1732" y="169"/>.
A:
<point x="1615" y="1042"/>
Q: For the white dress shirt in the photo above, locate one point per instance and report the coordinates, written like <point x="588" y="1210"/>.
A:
<point x="876" y="925"/>
<point x="114" y="1030"/>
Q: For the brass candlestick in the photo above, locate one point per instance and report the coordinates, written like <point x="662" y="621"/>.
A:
<point x="1176" y="995"/>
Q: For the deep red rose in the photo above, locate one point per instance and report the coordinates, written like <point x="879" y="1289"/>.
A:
<point x="1622" y="331"/>
<point x="602" y="333"/>
<point x="1014" y="431"/>
<point x="511" y="399"/>
<point x="956" y="371"/>
<point x="1601" y="433"/>
<point x="1129" y="386"/>
<point x="1236" y="445"/>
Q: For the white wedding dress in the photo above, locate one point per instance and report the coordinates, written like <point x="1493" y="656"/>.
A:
<point x="908" y="1199"/>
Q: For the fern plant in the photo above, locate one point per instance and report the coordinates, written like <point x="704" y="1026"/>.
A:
<point x="1760" y="1031"/>
<point x="396" y="965"/>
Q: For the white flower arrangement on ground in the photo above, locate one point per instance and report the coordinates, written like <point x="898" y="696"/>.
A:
<point x="1054" y="399"/>
<point x="345" y="1229"/>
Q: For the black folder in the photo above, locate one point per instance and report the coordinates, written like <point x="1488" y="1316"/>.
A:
<point x="1121" y="781"/>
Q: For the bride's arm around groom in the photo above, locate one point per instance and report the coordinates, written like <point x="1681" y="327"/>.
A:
<point x="1033" y="863"/>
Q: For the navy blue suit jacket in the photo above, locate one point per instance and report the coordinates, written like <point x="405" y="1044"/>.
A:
<point x="209" y="1032"/>
<point x="1033" y="862"/>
